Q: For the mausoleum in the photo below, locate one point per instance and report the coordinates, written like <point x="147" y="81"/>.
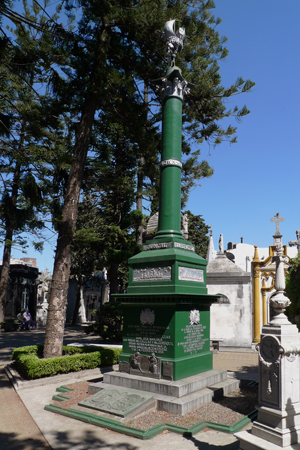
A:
<point x="244" y="275"/>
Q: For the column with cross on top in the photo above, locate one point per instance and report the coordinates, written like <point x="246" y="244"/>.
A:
<point x="297" y="242"/>
<point x="277" y="236"/>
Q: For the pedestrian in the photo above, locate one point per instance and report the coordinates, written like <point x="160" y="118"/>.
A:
<point x="29" y="323"/>
<point x="21" y="320"/>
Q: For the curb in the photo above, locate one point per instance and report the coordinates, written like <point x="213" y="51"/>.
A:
<point x="151" y="432"/>
<point x="113" y="425"/>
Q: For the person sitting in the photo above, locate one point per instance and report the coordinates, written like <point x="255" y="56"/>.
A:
<point x="21" y="321"/>
<point x="29" y="323"/>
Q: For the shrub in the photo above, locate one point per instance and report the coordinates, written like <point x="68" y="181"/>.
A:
<point x="109" y="321"/>
<point x="31" y="365"/>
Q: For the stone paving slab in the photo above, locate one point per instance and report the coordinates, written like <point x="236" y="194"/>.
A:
<point x="17" y="428"/>
<point x="25" y="425"/>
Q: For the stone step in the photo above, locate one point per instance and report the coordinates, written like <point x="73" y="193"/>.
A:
<point x="224" y="387"/>
<point x="179" y="397"/>
<point x="186" y="404"/>
<point x="172" y="405"/>
<point x="176" y="389"/>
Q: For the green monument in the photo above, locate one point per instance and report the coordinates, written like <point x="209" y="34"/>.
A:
<point x="166" y="332"/>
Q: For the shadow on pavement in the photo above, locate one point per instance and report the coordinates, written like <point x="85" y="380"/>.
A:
<point x="89" y="441"/>
<point x="12" y="442"/>
<point x="63" y="441"/>
<point x="205" y="446"/>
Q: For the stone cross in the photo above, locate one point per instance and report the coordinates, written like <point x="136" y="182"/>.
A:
<point x="277" y="219"/>
<point x="297" y="242"/>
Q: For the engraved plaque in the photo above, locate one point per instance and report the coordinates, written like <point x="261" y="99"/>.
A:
<point x="194" y="338"/>
<point x="171" y="162"/>
<point x="152" y="274"/>
<point x="167" y="370"/>
<point x="124" y="366"/>
<point x="190" y="274"/>
<point x="184" y="246"/>
<point x="157" y="246"/>
<point x="116" y="401"/>
<point x="144" y="365"/>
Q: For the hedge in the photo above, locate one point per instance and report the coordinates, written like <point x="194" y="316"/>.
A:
<point x="31" y="365"/>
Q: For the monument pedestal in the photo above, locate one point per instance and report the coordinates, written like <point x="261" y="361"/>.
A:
<point x="278" y="421"/>
<point x="166" y="332"/>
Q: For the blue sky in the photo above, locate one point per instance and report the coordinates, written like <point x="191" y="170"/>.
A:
<point x="257" y="177"/>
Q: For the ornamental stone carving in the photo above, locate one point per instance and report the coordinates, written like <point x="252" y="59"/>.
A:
<point x="173" y="88"/>
<point x="194" y="317"/>
<point x="147" y="316"/>
<point x="171" y="162"/>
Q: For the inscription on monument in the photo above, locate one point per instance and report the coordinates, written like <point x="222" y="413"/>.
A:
<point x="145" y="339"/>
<point x="193" y="338"/>
<point x="190" y="274"/>
<point x="171" y="162"/>
<point x="184" y="246"/>
<point x="152" y="274"/>
<point x="157" y="246"/>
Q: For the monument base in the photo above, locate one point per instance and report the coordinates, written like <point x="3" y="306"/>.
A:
<point x="175" y="397"/>
<point x="250" y="442"/>
<point x="278" y="420"/>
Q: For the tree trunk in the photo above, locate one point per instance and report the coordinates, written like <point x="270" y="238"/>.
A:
<point x="139" y="198"/>
<point x="61" y="273"/>
<point x="4" y="278"/>
<point x="140" y="174"/>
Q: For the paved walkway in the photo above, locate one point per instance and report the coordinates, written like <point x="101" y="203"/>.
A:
<point x="25" y="425"/>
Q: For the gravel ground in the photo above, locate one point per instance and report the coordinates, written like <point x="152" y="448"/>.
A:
<point x="227" y="411"/>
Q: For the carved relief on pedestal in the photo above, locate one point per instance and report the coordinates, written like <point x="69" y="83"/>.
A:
<point x="270" y="353"/>
<point x="145" y="365"/>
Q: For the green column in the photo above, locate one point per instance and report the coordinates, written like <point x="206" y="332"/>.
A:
<point x="169" y="224"/>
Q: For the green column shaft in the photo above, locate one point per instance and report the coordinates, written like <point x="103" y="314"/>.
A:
<point x="169" y="224"/>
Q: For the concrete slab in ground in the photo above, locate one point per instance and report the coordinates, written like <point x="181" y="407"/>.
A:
<point x="66" y="433"/>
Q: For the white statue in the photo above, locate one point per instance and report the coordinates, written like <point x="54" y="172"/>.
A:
<point x="185" y="223"/>
<point x="221" y="245"/>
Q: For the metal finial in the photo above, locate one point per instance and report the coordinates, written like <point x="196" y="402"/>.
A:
<point x="173" y="39"/>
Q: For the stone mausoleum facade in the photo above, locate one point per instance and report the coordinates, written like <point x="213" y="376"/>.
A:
<point x="244" y="275"/>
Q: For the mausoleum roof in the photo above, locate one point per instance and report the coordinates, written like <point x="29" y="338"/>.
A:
<point x="221" y="264"/>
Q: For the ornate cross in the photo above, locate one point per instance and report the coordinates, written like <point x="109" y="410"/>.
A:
<point x="297" y="242"/>
<point x="277" y="219"/>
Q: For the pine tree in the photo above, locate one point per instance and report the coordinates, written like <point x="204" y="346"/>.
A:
<point x="24" y="136"/>
<point x="197" y="230"/>
<point x="100" y="69"/>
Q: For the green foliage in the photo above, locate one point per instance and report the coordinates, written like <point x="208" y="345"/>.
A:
<point x="109" y="321"/>
<point x="292" y="289"/>
<point x="30" y="364"/>
<point x="198" y="233"/>
<point x="83" y="84"/>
